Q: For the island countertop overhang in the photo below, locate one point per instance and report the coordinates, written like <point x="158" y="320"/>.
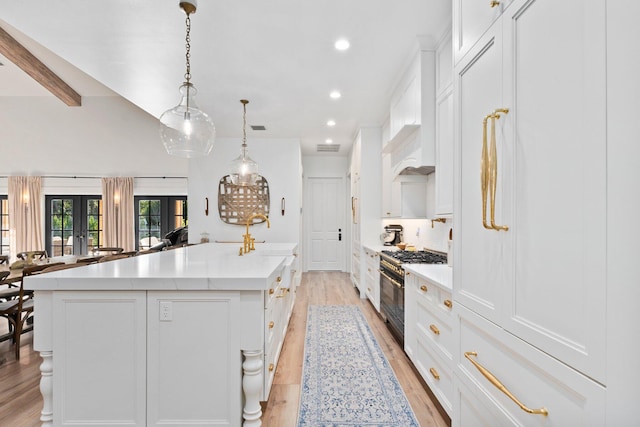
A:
<point x="211" y="266"/>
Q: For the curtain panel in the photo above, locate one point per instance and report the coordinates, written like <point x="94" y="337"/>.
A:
<point x="25" y="214"/>
<point x="118" y="213"/>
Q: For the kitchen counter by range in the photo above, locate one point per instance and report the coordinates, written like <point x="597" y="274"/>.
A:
<point x="440" y="274"/>
<point x="186" y="336"/>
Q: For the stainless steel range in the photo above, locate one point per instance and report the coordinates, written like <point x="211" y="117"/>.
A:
<point x="392" y="284"/>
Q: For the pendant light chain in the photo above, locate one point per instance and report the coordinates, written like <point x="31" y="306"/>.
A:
<point x="244" y="123"/>
<point x="187" y="75"/>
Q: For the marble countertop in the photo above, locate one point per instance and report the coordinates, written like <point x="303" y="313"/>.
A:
<point x="440" y="274"/>
<point x="199" y="267"/>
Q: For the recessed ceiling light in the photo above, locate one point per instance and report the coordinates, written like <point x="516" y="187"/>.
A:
<point x="342" y="44"/>
<point x="329" y="141"/>
<point x="335" y="94"/>
<point x="331" y="123"/>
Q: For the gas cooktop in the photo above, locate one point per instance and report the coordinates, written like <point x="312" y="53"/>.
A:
<point x="416" y="257"/>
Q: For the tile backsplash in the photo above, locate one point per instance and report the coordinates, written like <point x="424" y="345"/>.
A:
<point x="418" y="232"/>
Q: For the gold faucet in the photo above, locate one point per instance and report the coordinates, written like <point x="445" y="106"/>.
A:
<point x="249" y="242"/>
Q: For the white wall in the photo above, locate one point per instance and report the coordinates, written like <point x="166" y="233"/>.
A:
<point x="325" y="166"/>
<point x="106" y="136"/>
<point x="279" y="161"/>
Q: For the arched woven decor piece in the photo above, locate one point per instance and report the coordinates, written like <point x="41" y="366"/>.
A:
<point x="236" y="203"/>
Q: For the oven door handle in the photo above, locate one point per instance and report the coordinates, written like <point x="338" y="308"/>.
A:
<point x="393" y="281"/>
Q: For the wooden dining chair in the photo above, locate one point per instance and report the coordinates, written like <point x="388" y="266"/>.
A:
<point x="113" y="257"/>
<point x="11" y="291"/>
<point x="4" y="259"/>
<point x="36" y="255"/>
<point x="89" y="260"/>
<point x="19" y="309"/>
<point x="107" y="250"/>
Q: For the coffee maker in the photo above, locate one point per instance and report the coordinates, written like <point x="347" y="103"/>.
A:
<point x="392" y="234"/>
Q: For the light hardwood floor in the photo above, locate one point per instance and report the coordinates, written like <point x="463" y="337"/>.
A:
<point x="20" y="400"/>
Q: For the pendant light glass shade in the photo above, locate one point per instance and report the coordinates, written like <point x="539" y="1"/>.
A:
<point x="187" y="131"/>
<point x="244" y="171"/>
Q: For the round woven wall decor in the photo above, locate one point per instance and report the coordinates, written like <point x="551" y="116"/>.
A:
<point x="236" y="203"/>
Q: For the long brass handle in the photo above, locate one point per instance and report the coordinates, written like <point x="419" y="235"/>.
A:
<point x="489" y="171"/>
<point x="493" y="165"/>
<point x="484" y="172"/>
<point x="283" y="292"/>
<point x="496" y="382"/>
<point x="394" y="282"/>
<point x="434" y="329"/>
<point x="434" y="373"/>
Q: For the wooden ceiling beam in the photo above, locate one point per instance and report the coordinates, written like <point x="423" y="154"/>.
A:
<point x="27" y="62"/>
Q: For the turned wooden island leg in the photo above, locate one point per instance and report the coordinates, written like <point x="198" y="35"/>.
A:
<point x="252" y="381"/>
<point x="46" y="388"/>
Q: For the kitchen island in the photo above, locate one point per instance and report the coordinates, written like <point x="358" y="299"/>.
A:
<point x="189" y="336"/>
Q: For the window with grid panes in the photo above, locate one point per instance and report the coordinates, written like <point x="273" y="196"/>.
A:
<point x="156" y="216"/>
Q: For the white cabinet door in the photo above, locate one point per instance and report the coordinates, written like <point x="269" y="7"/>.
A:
<point x="544" y="278"/>
<point x="198" y="332"/>
<point x="555" y="179"/>
<point x="444" y="154"/>
<point x="479" y="258"/>
<point x="99" y="343"/>
<point x="471" y="19"/>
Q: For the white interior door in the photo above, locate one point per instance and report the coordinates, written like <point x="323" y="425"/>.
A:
<point x="325" y="224"/>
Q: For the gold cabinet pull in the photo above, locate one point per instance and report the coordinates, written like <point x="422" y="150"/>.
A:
<point x="496" y="382"/>
<point x="434" y="329"/>
<point x="448" y="303"/>
<point x="279" y="279"/>
<point x="271" y="325"/>
<point x="489" y="171"/>
<point x="271" y="367"/>
<point x="423" y="288"/>
<point x="271" y="291"/>
<point x="283" y="293"/>
<point x="494" y="3"/>
<point x="434" y="373"/>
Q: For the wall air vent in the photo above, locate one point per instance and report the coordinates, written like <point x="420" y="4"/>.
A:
<point x="328" y="148"/>
<point x="258" y="127"/>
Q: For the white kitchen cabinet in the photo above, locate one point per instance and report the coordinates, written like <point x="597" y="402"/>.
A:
<point x="372" y="276"/>
<point x="404" y="114"/>
<point x="365" y="200"/>
<point x="540" y="382"/>
<point x="551" y="179"/>
<point x="429" y="334"/>
<point x="543" y="279"/>
<point x="471" y="18"/>
<point x="444" y="154"/>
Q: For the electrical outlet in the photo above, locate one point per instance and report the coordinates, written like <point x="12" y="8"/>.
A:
<point x="166" y="311"/>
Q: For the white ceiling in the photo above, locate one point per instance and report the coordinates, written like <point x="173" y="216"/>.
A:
<point x="279" y="54"/>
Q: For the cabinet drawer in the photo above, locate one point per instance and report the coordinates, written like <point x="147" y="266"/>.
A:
<point x="437" y="373"/>
<point x="435" y="328"/>
<point x="536" y="379"/>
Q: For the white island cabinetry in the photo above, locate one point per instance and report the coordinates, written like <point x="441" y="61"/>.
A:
<point x="183" y="337"/>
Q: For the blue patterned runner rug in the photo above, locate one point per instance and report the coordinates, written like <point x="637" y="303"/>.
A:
<point x="346" y="379"/>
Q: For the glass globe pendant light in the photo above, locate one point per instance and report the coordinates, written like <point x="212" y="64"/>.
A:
<point x="185" y="130"/>
<point x="244" y="171"/>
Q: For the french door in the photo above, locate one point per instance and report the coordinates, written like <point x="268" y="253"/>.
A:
<point x="73" y="224"/>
